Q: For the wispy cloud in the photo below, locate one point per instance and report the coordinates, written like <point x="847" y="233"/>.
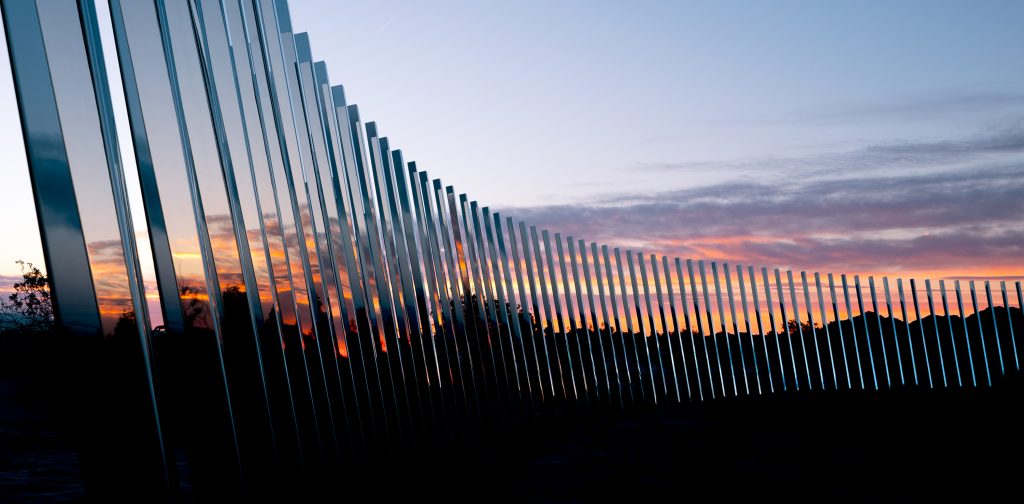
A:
<point x="7" y="284"/>
<point x="939" y="105"/>
<point x="9" y="280"/>
<point x="394" y="17"/>
<point x="901" y="206"/>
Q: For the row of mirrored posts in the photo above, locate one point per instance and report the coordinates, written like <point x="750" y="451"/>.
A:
<point x="324" y="302"/>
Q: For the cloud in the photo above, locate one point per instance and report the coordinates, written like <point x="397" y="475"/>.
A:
<point x="922" y="206"/>
<point x="957" y="198"/>
<point x="1004" y="140"/>
<point x="7" y="283"/>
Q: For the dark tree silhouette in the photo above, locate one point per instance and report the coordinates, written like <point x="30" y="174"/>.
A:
<point x="802" y="327"/>
<point x="29" y="309"/>
<point x="195" y="308"/>
<point x="26" y="322"/>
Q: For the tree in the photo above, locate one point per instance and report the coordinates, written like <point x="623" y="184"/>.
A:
<point x="29" y="309"/>
<point x="802" y="327"/>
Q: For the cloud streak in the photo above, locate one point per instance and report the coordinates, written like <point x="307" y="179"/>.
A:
<point x="938" y="106"/>
<point x="889" y="158"/>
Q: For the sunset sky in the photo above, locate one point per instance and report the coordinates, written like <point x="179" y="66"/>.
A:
<point x="861" y="137"/>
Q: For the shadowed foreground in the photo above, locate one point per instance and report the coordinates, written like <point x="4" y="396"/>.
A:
<point x="895" y="447"/>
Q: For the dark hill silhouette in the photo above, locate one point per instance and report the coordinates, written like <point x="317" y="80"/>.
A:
<point x="955" y="356"/>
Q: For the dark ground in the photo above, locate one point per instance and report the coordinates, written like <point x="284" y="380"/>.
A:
<point x="897" y="447"/>
<point x="910" y="446"/>
<point x="38" y="463"/>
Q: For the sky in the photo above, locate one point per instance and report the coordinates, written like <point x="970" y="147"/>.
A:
<point x="866" y="137"/>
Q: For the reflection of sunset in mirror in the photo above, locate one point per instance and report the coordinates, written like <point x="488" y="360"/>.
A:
<point x="89" y="166"/>
<point x="111" y="282"/>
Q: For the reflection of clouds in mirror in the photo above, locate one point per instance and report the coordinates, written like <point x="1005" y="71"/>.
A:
<point x="258" y="254"/>
<point x="345" y="283"/>
<point x="286" y="299"/>
<point x="195" y="302"/>
<point x="343" y="345"/>
<point x="191" y="278"/>
<point x="110" y="279"/>
<point x="225" y="251"/>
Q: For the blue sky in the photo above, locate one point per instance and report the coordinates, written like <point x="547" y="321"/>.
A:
<point x="864" y="136"/>
<point x="583" y="98"/>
